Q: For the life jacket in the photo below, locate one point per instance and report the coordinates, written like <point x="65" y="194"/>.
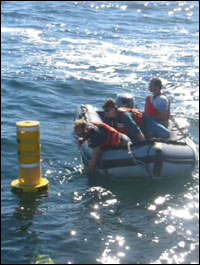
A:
<point x="113" y="137"/>
<point x="151" y="110"/>
<point x="137" y="118"/>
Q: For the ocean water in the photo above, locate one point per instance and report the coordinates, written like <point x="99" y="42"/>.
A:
<point x="57" y="55"/>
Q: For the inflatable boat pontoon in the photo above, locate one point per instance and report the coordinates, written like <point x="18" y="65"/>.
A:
<point x="155" y="158"/>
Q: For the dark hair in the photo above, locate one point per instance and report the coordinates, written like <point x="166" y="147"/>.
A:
<point x="109" y="103"/>
<point x="156" y="82"/>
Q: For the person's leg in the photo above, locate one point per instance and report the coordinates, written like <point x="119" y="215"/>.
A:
<point x="156" y="129"/>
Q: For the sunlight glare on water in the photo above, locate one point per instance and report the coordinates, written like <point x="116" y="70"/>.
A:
<point x="57" y="55"/>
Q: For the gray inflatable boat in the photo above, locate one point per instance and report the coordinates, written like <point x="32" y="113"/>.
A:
<point x="155" y="158"/>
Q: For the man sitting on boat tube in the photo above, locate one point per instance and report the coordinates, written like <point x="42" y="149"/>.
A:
<point x="98" y="135"/>
<point x="132" y="122"/>
<point x="157" y="104"/>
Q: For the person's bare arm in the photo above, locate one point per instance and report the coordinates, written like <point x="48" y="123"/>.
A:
<point x="94" y="158"/>
<point x="141" y="137"/>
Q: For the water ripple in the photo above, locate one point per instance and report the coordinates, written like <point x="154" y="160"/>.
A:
<point x="58" y="55"/>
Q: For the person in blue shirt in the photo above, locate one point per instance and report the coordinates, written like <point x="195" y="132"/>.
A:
<point x="157" y="105"/>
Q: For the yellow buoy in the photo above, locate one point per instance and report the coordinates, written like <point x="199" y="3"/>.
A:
<point x="28" y="147"/>
<point x="43" y="259"/>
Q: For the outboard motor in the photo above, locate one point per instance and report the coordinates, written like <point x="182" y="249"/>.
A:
<point x="125" y="100"/>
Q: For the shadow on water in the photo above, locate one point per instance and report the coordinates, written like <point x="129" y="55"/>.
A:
<point x="27" y="209"/>
<point x="22" y="226"/>
<point x="142" y="189"/>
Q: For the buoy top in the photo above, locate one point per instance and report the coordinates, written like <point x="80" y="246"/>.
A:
<point x="28" y="124"/>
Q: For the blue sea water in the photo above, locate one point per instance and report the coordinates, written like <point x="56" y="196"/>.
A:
<point x="57" y="55"/>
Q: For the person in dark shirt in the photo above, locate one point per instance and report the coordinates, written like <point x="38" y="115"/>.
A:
<point x="137" y="125"/>
<point x="98" y="135"/>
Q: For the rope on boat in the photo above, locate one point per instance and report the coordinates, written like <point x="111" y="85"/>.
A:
<point x="141" y="163"/>
<point x="181" y="129"/>
<point x="135" y="161"/>
<point x="148" y="168"/>
<point x="104" y="169"/>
